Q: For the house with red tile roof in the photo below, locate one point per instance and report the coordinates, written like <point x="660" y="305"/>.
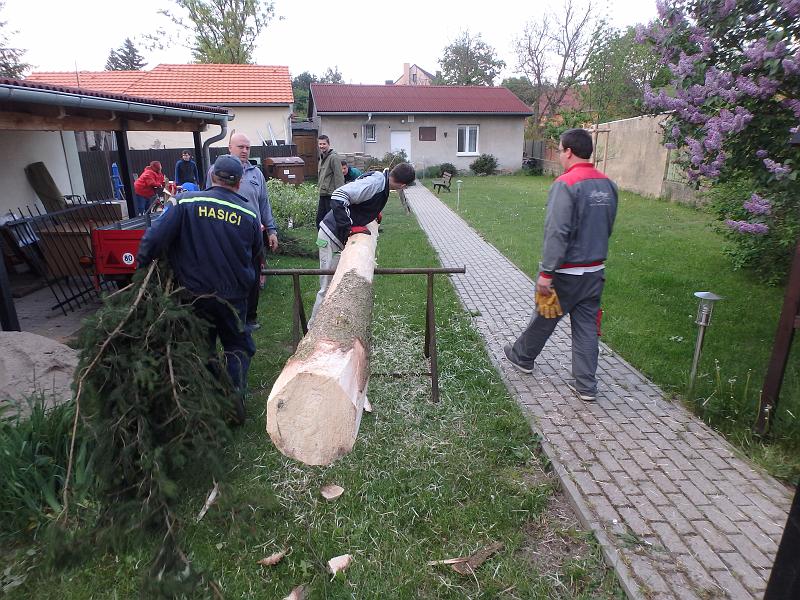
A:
<point x="414" y="75"/>
<point x="259" y="96"/>
<point x="432" y="123"/>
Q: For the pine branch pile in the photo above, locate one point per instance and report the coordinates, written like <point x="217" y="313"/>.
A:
<point x="154" y="401"/>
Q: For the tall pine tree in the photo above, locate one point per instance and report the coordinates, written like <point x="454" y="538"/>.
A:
<point x="125" y="58"/>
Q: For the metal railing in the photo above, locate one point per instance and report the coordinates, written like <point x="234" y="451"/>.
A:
<point x="54" y="245"/>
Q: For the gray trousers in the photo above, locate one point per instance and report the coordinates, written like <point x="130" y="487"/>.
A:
<point x="579" y="296"/>
<point x="328" y="259"/>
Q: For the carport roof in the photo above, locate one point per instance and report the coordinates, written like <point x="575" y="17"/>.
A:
<point x="42" y="106"/>
<point x="333" y="98"/>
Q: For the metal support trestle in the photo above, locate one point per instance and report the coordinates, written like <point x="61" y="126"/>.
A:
<point x="300" y="324"/>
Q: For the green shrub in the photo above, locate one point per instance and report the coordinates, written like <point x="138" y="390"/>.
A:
<point x="34" y="454"/>
<point x="449" y="167"/>
<point x="762" y="229"/>
<point x="295" y="202"/>
<point x="485" y="164"/>
<point x="389" y="160"/>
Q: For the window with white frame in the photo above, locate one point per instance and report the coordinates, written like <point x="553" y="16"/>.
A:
<point x="369" y="132"/>
<point x="467" y="139"/>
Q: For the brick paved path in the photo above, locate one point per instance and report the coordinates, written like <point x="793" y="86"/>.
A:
<point x="678" y="513"/>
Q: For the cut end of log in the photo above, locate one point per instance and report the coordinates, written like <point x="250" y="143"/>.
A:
<point x="315" y="408"/>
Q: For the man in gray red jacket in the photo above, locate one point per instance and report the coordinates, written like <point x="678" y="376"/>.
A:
<point x="353" y="207"/>
<point x="581" y="209"/>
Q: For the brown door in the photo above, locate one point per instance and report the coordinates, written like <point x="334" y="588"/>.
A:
<point x="307" y="150"/>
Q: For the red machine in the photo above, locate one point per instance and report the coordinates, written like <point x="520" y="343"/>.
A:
<point x="114" y="247"/>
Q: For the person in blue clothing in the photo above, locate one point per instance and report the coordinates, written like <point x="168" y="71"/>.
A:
<point x="254" y="188"/>
<point x="350" y="173"/>
<point x="186" y="170"/>
<point x="213" y="241"/>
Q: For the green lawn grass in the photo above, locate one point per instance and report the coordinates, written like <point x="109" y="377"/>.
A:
<point x="424" y="482"/>
<point x="660" y="254"/>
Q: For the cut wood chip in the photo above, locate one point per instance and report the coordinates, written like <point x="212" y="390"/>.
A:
<point x="367" y="405"/>
<point x="212" y="497"/>
<point x="339" y="563"/>
<point x="466" y="565"/>
<point x="331" y="491"/>
<point x="272" y="559"/>
<point x="298" y="593"/>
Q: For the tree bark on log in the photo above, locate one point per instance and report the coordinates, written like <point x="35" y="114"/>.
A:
<point x="315" y="406"/>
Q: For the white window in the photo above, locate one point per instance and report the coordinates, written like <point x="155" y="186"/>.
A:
<point x="369" y="132"/>
<point x="467" y="139"/>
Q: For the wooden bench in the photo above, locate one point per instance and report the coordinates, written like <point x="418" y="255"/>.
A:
<point x="443" y="183"/>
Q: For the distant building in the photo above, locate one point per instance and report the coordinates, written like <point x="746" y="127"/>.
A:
<point x="432" y="124"/>
<point x="414" y="75"/>
<point x="259" y="96"/>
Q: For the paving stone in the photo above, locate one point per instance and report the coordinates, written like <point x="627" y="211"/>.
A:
<point x="719" y="541"/>
<point x="752" y="579"/>
<point x="732" y="586"/>
<point x="669" y="538"/>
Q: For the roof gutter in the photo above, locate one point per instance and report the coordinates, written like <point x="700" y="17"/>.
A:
<point x="12" y="93"/>
<point x="207" y="144"/>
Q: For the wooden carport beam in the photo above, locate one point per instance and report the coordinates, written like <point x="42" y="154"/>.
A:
<point x="30" y="122"/>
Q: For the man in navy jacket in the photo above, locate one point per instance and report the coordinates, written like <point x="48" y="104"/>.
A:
<point x="213" y="240"/>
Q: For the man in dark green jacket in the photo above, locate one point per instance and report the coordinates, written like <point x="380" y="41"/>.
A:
<point x="330" y="175"/>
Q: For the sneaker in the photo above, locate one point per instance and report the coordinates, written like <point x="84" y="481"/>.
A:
<point x="586" y="397"/>
<point x="253" y="325"/>
<point x="507" y="350"/>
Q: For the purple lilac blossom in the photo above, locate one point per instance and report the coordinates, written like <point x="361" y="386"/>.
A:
<point x="793" y="105"/>
<point x="790" y="66"/>
<point x="776" y="168"/>
<point x="726" y="8"/>
<point x="761" y="153"/>
<point x="758" y="205"/>
<point x="747" y="227"/>
<point x="792" y="7"/>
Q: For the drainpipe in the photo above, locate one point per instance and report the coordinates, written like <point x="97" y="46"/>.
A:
<point x="206" y="151"/>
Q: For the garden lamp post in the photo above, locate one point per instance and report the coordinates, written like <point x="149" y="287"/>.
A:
<point x="703" y="320"/>
<point x="458" y="193"/>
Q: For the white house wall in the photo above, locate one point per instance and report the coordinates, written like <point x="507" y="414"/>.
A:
<point x="248" y="119"/>
<point x="498" y="135"/>
<point x="57" y="150"/>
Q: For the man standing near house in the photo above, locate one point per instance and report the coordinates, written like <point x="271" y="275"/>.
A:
<point x="253" y="188"/>
<point x="581" y="208"/>
<point x="353" y="207"/>
<point x="224" y="231"/>
<point x="186" y="170"/>
<point x="330" y="175"/>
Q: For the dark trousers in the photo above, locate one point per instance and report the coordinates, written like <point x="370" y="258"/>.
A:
<point x="322" y="208"/>
<point x="579" y="296"/>
<point x="252" y="300"/>
<point x="228" y="323"/>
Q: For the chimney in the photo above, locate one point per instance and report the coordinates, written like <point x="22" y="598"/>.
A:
<point x="406" y="74"/>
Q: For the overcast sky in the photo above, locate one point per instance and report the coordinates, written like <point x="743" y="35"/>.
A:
<point x="367" y="41"/>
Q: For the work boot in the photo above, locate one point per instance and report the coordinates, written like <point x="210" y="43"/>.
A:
<point x="509" y="352"/>
<point x="585" y="396"/>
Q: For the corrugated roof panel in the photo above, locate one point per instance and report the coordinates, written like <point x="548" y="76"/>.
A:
<point x="416" y="99"/>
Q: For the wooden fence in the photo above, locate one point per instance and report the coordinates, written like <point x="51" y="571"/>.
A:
<point x="96" y="164"/>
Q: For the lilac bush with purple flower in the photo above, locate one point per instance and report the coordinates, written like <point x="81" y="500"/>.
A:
<point x="734" y="102"/>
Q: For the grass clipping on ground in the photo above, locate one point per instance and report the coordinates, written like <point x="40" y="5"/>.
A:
<point x="151" y="404"/>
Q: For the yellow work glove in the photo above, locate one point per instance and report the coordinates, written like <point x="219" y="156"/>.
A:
<point x="548" y="306"/>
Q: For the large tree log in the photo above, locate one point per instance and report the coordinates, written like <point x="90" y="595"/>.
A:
<point x="314" y="409"/>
